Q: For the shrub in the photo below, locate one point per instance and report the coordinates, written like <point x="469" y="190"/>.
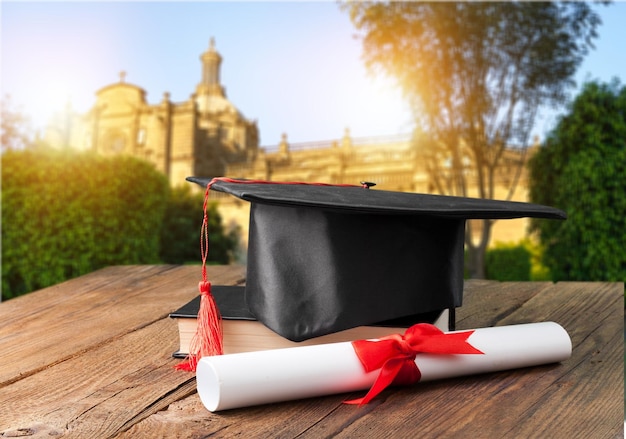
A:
<point x="180" y="236"/>
<point x="538" y="271"/>
<point x="65" y="214"/>
<point x="580" y="169"/>
<point x="508" y="262"/>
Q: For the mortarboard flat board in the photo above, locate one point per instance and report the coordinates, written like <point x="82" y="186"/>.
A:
<point x="322" y="259"/>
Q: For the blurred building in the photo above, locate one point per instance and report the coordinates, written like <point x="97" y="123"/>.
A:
<point x="208" y="136"/>
<point x="395" y="163"/>
<point x="200" y="136"/>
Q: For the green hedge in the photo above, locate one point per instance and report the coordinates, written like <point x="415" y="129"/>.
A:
<point x="508" y="262"/>
<point x="180" y="236"/>
<point x="65" y="214"/>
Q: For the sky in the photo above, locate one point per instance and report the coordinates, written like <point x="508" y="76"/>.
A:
<point x="294" y="67"/>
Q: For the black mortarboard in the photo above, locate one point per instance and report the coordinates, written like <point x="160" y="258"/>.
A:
<point x="327" y="258"/>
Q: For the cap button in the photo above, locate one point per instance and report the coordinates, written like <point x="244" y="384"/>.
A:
<point x="367" y="184"/>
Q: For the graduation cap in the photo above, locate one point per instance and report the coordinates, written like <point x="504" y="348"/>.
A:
<point x="324" y="258"/>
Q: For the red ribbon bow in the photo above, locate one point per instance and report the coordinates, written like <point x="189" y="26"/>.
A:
<point x="395" y="355"/>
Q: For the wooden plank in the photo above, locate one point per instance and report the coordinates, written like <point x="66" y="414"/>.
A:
<point x="189" y="419"/>
<point x="548" y="399"/>
<point x="574" y="399"/>
<point x="580" y="398"/>
<point x="101" y="391"/>
<point x="485" y="303"/>
<point x="102" y="305"/>
<point x="88" y="396"/>
<point x="589" y="393"/>
<point x="19" y="309"/>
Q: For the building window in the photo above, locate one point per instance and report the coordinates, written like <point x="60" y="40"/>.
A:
<point x="141" y="136"/>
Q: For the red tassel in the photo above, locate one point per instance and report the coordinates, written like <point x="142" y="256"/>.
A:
<point x="208" y="337"/>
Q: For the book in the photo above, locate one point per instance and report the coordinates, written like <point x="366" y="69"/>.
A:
<point x="243" y="333"/>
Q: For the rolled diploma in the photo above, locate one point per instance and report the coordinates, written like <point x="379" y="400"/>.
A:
<point x="253" y="378"/>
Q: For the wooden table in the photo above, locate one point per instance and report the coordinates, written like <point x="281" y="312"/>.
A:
<point x="91" y="358"/>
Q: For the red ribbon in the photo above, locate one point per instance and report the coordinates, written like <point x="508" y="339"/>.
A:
<point x="395" y="355"/>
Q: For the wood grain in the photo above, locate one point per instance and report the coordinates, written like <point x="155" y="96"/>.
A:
<point x="102" y="305"/>
<point x="521" y="403"/>
<point x="104" y="389"/>
<point x="94" y="361"/>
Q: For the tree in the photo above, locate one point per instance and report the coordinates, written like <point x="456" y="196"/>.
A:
<point x="14" y="126"/>
<point x="580" y="169"/>
<point x="476" y="75"/>
<point x="67" y="213"/>
<point x="180" y="235"/>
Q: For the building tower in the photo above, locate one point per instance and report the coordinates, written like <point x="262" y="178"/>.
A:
<point x="210" y="94"/>
<point x="211" y="63"/>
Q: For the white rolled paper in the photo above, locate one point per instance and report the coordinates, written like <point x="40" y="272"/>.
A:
<point x="253" y="378"/>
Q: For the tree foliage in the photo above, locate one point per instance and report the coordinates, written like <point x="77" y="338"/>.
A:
<point x="66" y="214"/>
<point x="13" y="126"/>
<point x="508" y="262"/>
<point x="581" y="169"/>
<point x="476" y="74"/>
<point x="180" y="237"/>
